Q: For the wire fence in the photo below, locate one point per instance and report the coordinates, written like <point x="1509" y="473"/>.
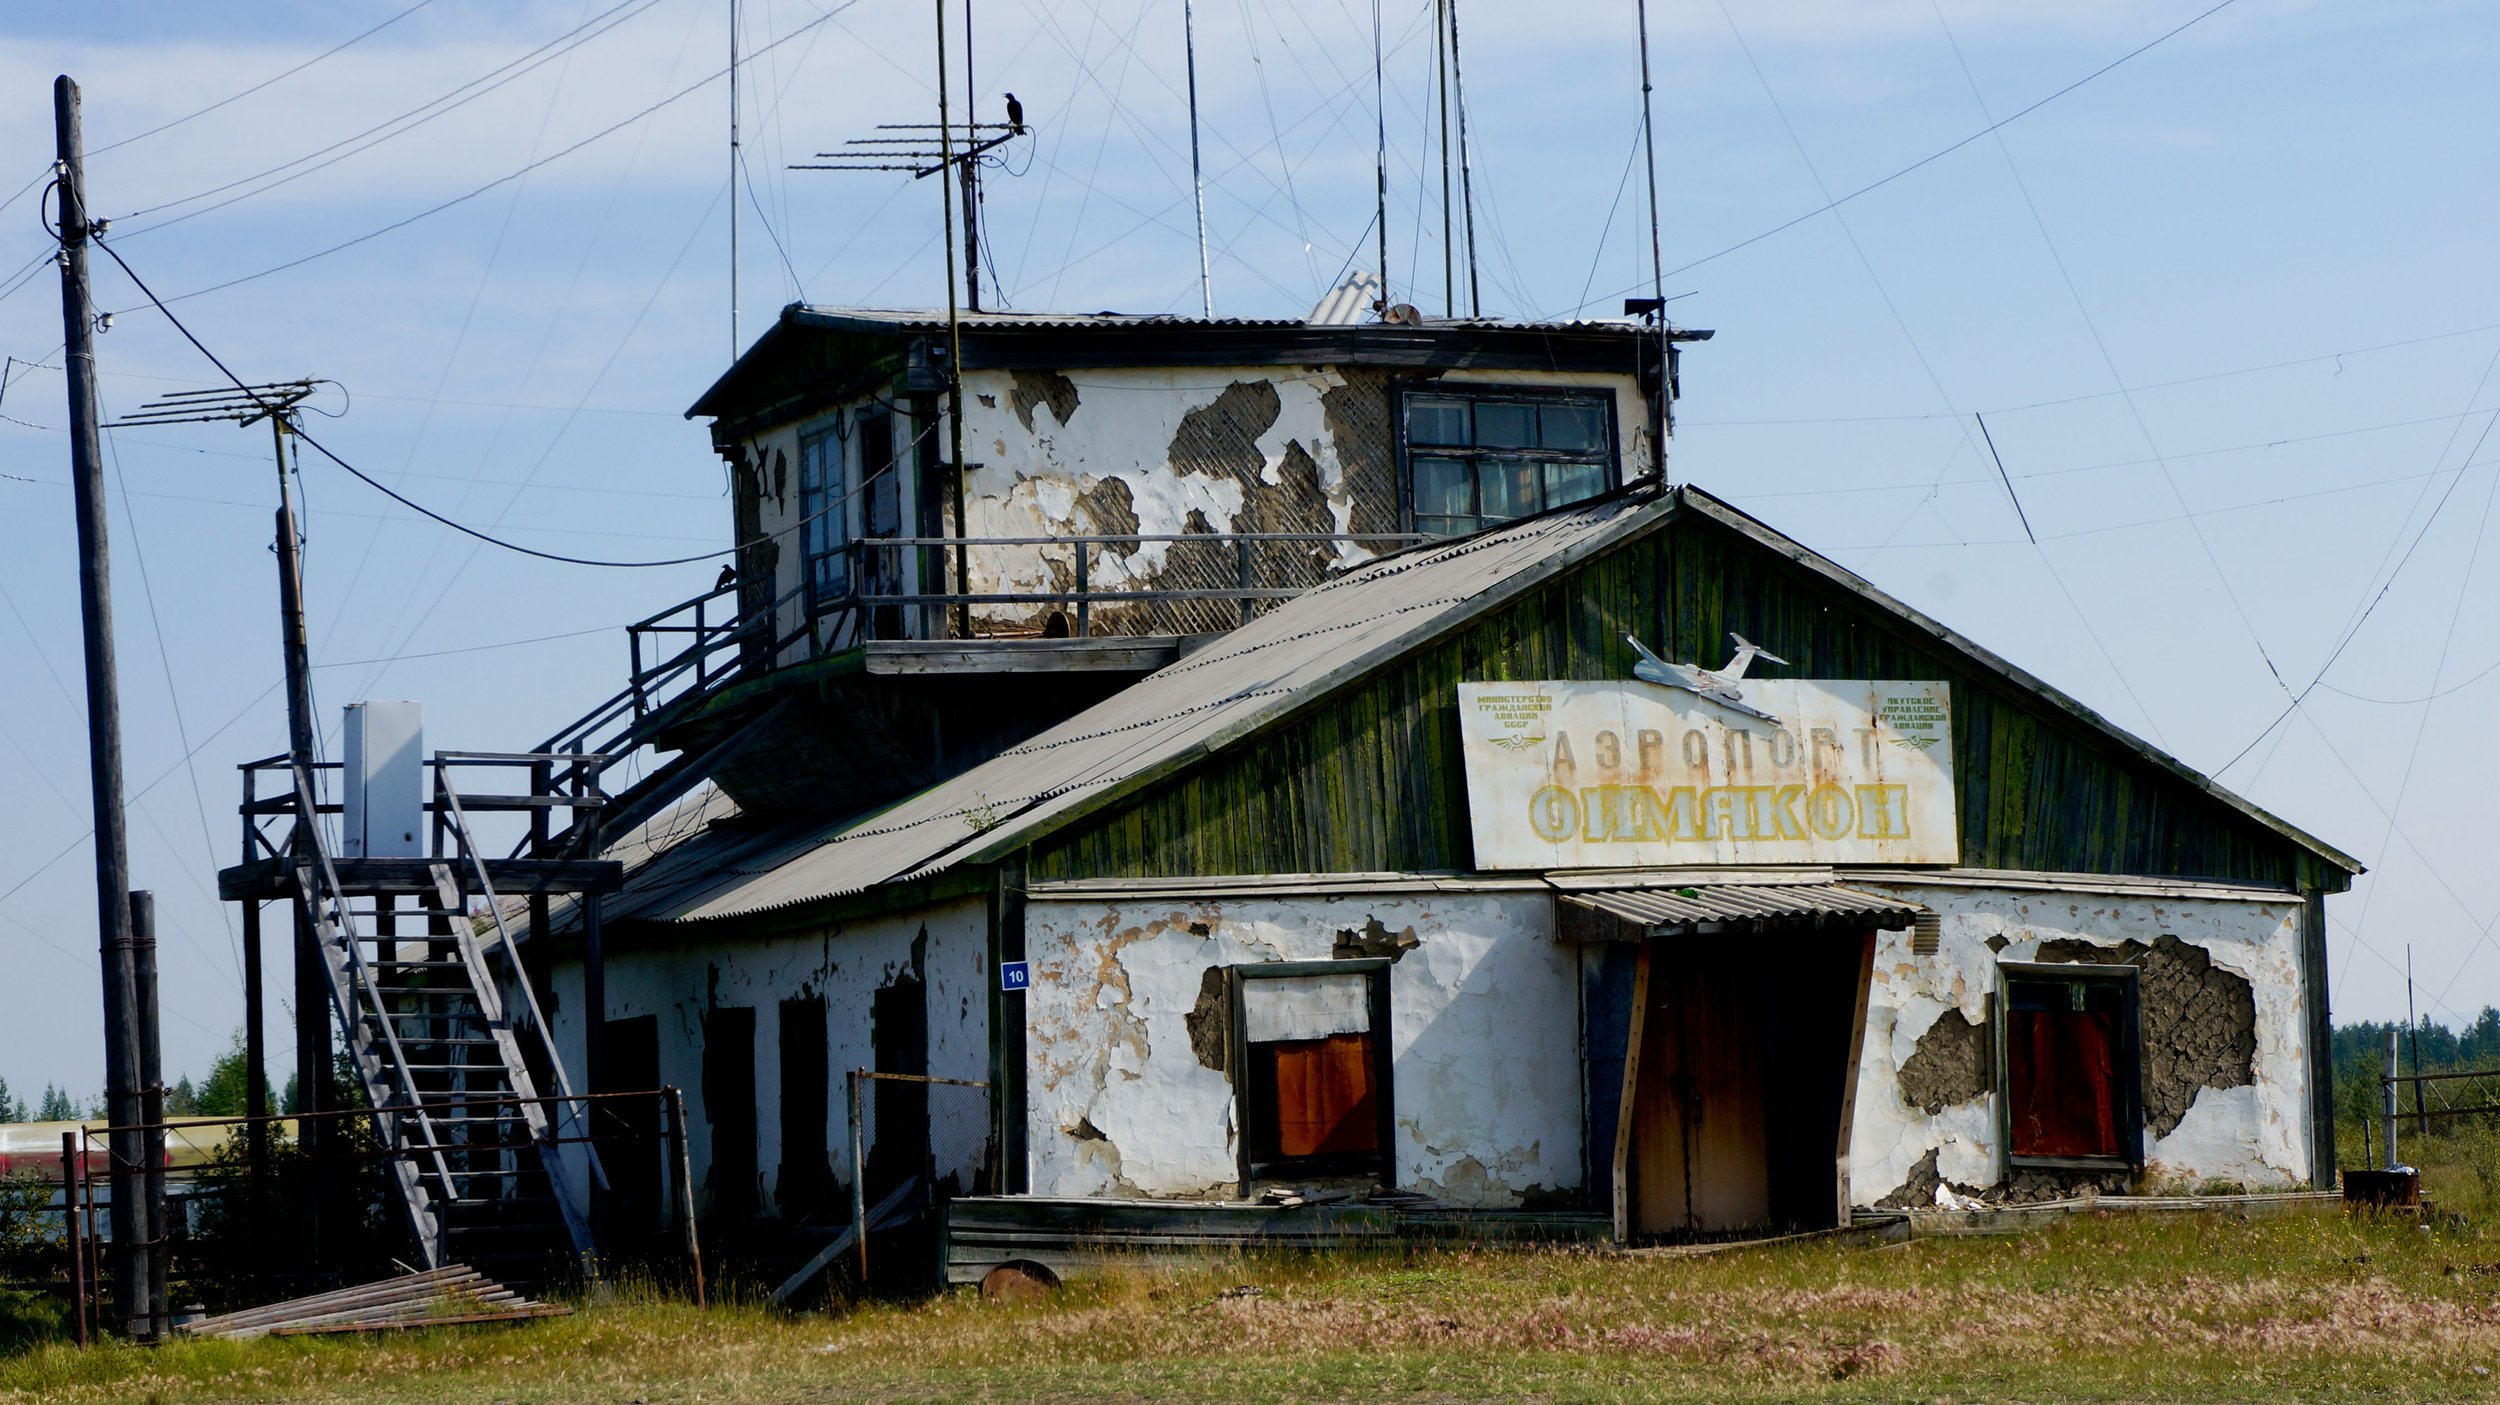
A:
<point x="917" y="1142"/>
<point x="269" y="1207"/>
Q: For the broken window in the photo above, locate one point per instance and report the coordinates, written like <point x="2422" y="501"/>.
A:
<point x="824" y="520"/>
<point x="1474" y="458"/>
<point x="1311" y="1044"/>
<point x="2070" y="1073"/>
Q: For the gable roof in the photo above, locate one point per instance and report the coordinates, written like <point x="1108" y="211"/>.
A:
<point x="1704" y="505"/>
<point x="1243" y="683"/>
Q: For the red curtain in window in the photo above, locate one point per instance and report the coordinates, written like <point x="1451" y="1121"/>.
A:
<point x="1324" y="1101"/>
<point x="2062" y="1078"/>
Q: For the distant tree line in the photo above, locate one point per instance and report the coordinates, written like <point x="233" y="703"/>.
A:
<point x="223" y="1093"/>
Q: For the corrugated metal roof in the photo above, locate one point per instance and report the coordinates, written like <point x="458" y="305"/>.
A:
<point x="1742" y="907"/>
<point x="1287" y="658"/>
<point x="1245" y="680"/>
<point x="921" y="319"/>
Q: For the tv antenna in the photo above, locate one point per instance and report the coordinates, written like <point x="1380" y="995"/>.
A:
<point x="926" y="149"/>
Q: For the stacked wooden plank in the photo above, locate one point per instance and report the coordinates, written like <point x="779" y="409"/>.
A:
<point x="1071" y="1235"/>
<point x="443" y="1297"/>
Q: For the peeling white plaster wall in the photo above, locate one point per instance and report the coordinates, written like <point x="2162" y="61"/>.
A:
<point x="847" y="963"/>
<point x="2257" y="1135"/>
<point x="1028" y="482"/>
<point x="1484" y="1042"/>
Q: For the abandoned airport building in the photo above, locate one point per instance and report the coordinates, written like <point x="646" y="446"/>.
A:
<point x="1288" y="773"/>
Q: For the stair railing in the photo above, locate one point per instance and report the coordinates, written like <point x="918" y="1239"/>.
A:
<point x="543" y="1128"/>
<point x="335" y="922"/>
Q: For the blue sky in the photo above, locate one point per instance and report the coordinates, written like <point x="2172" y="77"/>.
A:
<point x="2227" y="308"/>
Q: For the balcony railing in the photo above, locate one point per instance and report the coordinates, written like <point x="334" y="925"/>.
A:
<point x="905" y="588"/>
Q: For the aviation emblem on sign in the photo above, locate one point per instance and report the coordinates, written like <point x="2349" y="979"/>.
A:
<point x="1725" y="686"/>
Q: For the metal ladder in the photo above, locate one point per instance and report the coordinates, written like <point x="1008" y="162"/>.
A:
<point x="439" y="1054"/>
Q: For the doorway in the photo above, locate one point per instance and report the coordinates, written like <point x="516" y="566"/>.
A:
<point x="1741" y="1085"/>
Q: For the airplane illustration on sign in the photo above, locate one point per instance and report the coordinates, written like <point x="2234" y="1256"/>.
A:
<point x="1723" y="686"/>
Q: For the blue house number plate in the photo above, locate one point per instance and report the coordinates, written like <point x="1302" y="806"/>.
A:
<point x="1015" y="975"/>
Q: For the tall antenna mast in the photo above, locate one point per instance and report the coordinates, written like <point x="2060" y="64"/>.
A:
<point x="1189" y="46"/>
<point x="1441" y="95"/>
<point x="1466" y="172"/>
<point x="1657" y="264"/>
<point x="733" y="180"/>
<point x="954" y="339"/>
<point x="970" y="170"/>
<point x="1380" y="166"/>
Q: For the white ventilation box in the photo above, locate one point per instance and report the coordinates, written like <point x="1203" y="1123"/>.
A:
<point x="385" y="791"/>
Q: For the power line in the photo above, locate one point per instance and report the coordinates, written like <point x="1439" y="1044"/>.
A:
<point x="2101" y="344"/>
<point x="256" y="87"/>
<point x="1919" y="353"/>
<point x="461" y="199"/>
<point x="441" y="105"/>
<point x="1931" y="158"/>
<point x="378" y="485"/>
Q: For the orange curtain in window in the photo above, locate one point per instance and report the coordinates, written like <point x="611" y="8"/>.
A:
<point x="1324" y="1103"/>
<point x="2062" y="1082"/>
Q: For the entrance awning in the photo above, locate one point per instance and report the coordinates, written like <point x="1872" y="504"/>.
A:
<point x="1629" y="914"/>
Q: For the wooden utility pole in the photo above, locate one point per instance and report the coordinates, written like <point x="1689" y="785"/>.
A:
<point x="104" y="726"/>
<point x="312" y="981"/>
<point x="969" y="168"/>
<point x="159" y="1244"/>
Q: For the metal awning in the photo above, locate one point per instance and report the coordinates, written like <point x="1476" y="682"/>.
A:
<point x="1628" y="914"/>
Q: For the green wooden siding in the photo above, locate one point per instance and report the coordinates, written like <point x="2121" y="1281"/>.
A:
<point x="1371" y="778"/>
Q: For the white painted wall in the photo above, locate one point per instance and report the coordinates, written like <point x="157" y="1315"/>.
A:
<point x="2257" y="1135"/>
<point x="846" y="963"/>
<point x="1027" y="482"/>
<point x="1484" y="1040"/>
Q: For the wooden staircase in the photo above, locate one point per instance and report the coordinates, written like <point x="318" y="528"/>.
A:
<point x="465" y="1084"/>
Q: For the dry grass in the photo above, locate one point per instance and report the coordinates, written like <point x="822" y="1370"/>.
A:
<point x="2304" y="1307"/>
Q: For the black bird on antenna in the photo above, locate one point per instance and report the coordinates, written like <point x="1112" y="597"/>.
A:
<point x="1015" y="113"/>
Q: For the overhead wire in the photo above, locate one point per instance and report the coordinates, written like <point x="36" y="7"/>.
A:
<point x="265" y="83"/>
<point x="468" y="318"/>
<point x="1936" y="381"/>
<point x="2101" y="344"/>
<point x="508" y="177"/>
<point x="378" y="485"/>
<point x="1934" y="156"/>
<point x="173" y="690"/>
<point x="289" y="171"/>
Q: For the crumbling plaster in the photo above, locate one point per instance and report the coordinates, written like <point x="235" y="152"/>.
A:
<point x="846" y="963"/>
<point x="2256" y="1134"/>
<point x="1093" y="452"/>
<point x="1484" y="1026"/>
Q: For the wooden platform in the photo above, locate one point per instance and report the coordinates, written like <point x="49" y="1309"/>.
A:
<point x="1070" y="1236"/>
<point x="270" y="879"/>
<point x="1140" y="654"/>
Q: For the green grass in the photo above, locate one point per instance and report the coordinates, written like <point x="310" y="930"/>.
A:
<point x="2310" y="1306"/>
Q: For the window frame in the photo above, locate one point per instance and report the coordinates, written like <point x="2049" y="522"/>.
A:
<point x="835" y="434"/>
<point x="1402" y="453"/>
<point x="1380" y="1163"/>
<point x="2130" y="1108"/>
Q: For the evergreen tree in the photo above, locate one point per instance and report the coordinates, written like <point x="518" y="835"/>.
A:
<point x="11" y="1109"/>
<point x="181" y="1100"/>
<point x="226" y="1091"/>
<point x="56" y="1106"/>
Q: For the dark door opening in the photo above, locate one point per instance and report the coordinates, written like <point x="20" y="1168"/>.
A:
<point x="628" y="1130"/>
<point x="729" y="1106"/>
<point x="1741" y="1086"/>
<point x="803" y="1188"/>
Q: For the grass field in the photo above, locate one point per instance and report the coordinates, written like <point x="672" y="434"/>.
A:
<point x="2309" y="1306"/>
